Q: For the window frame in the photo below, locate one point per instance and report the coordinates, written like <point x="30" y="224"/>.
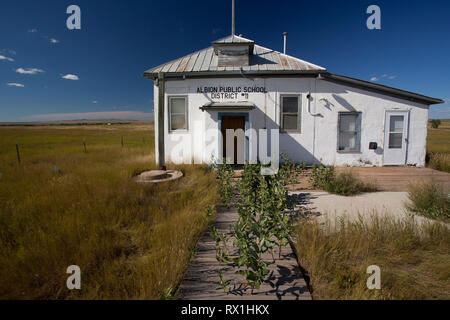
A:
<point x="396" y="132"/>
<point x="186" y="113"/>
<point x="358" y="115"/>
<point x="299" y="113"/>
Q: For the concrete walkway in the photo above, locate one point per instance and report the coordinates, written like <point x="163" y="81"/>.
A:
<point x="201" y="280"/>
<point x="331" y="207"/>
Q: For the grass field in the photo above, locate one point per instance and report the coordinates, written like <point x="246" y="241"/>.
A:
<point x="438" y="147"/>
<point x="414" y="260"/>
<point x="438" y="140"/>
<point x="62" y="206"/>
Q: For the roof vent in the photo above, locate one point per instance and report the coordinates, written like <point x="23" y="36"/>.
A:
<point x="233" y="51"/>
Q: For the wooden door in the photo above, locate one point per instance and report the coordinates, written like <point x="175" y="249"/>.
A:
<point x="234" y="122"/>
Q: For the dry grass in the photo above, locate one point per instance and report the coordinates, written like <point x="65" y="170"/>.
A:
<point x="438" y="147"/>
<point x="345" y="183"/>
<point x="414" y="261"/>
<point x="438" y="140"/>
<point x="130" y="241"/>
<point x="348" y="183"/>
<point x="439" y="161"/>
<point x="430" y="200"/>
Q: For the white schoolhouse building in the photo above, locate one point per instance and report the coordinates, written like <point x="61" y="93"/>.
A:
<point x="319" y="116"/>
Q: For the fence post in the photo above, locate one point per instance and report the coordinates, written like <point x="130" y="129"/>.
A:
<point x="122" y="141"/>
<point x="84" y="144"/>
<point x="18" y="153"/>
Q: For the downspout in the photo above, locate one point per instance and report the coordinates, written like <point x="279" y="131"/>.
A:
<point x="309" y="97"/>
<point x="265" y="105"/>
<point x="161" y="131"/>
<point x="309" y="101"/>
<point x="241" y="71"/>
<point x="407" y="138"/>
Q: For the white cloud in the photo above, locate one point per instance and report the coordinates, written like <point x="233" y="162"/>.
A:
<point x="13" y="84"/>
<point x="29" y="71"/>
<point x="70" y="77"/>
<point x="385" y="75"/>
<point x="95" y="101"/>
<point x="105" y="115"/>
<point x="53" y="40"/>
<point x="32" y="30"/>
<point x="6" y="58"/>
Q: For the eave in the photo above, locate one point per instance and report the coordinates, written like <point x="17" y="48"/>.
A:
<point x="357" y="83"/>
<point x="379" y="88"/>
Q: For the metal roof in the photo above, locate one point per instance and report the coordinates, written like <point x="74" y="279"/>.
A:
<point x="234" y="39"/>
<point x="206" y="61"/>
<point x="264" y="61"/>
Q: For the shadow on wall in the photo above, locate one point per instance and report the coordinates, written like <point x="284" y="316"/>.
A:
<point x="291" y="146"/>
<point x="335" y="88"/>
<point x="288" y="145"/>
<point x="344" y="103"/>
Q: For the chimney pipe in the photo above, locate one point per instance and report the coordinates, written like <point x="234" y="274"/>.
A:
<point x="233" y="26"/>
<point x="285" y="39"/>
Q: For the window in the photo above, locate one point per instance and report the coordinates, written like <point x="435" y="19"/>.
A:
<point x="396" y="132"/>
<point x="290" y="113"/>
<point x="178" y="113"/>
<point x="349" y="131"/>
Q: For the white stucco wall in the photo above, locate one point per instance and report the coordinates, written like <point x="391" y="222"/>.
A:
<point x="317" y="141"/>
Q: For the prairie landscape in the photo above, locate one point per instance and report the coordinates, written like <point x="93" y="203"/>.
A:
<point x="68" y="198"/>
<point x="66" y="205"/>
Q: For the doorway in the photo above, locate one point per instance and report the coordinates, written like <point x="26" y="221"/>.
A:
<point x="234" y="122"/>
<point x="396" y="138"/>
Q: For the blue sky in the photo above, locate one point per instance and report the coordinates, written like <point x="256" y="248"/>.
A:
<point x="48" y="72"/>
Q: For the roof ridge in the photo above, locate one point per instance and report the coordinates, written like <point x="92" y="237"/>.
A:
<point x="246" y="39"/>
<point x="233" y="36"/>
<point x="302" y="65"/>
